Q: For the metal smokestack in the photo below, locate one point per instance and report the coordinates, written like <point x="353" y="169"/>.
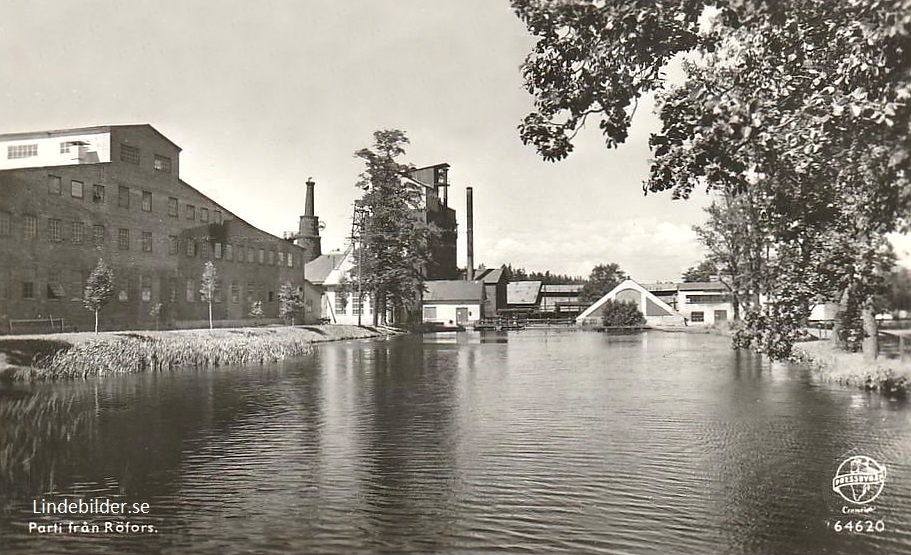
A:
<point x="469" y="272"/>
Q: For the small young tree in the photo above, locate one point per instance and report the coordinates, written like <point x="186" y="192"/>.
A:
<point x="207" y="286"/>
<point x="621" y="314"/>
<point x="99" y="288"/>
<point x="256" y="310"/>
<point x="290" y="301"/>
<point x="155" y="312"/>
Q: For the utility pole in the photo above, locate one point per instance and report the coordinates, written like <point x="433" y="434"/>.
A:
<point x="357" y="241"/>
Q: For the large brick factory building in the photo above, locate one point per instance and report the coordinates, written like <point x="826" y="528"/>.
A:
<point x="70" y="197"/>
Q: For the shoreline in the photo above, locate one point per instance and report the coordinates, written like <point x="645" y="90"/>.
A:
<point x="86" y="354"/>
<point x="889" y="377"/>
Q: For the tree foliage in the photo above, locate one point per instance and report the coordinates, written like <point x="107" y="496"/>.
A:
<point x="795" y="114"/>
<point x="99" y="288"/>
<point x="394" y="239"/>
<point x="621" y="314"/>
<point x="704" y="271"/>
<point x="290" y="301"/>
<point x="546" y="277"/>
<point x="601" y="280"/>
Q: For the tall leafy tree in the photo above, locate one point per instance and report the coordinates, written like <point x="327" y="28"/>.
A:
<point x="394" y="239"/>
<point x="602" y="279"/>
<point x="99" y="288"/>
<point x="704" y="271"/>
<point x="802" y="105"/>
<point x="207" y="286"/>
<point x="290" y="301"/>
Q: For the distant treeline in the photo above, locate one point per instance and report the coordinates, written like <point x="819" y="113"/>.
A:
<point x="548" y="278"/>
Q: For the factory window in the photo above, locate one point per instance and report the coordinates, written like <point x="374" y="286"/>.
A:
<point x="66" y="145"/>
<point x="31" y="226"/>
<point x="146" y="241"/>
<point x="146" y="201"/>
<point x="204" y="249"/>
<point x="162" y="163"/>
<point x="77" y="189"/>
<point x="53" y="184"/>
<point x="216" y="291"/>
<point x="430" y="313"/>
<point x="129" y="154"/>
<point x="281" y="258"/>
<point x="21" y="151"/>
<point x="235" y="292"/>
<point x="290" y="260"/>
<point x="191" y="247"/>
<point x="262" y="256"/>
<point x="341" y="302"/>
<point x="204" y="214"/>
<point x="172" y="287"/>
<point x="229" y="251"/>
<point x="271" y="258"/>
<point x="250" y="254"/>
<point x="123" y="196"/>
<point x="357" y="305"/>
<point x="271" y="296"/>
<point x="98" y="193"/>
<point x="697" y="317"/>
<point x="251" y="292"/>
<point x="172" y="207"/>
<point x="77" y="284"/>
<point x="123" y="239"/>
<point x="77" y="230"/>
<point x="28" y="290"/>
<point x="191" y="212"/>
<point x="240" y="253"/>
<point x="218" y="251"/>
<point x="98" y="235"/>
<point x="173" y="245"/>
<point x="5" y="223"/>
<point x="191" y="295"/>
<point x="54" y="287"/>
<point x="217" y="215"/>
<point x="145" y="288"/>
<point x="721" y="315"/>
<point x="53" y="230"/>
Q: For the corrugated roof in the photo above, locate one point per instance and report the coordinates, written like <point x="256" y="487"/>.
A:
<point x="702" y="286"/>
<point x="317" y="270"/>
<point x="453" y="290"/>
<point x="660" y="286"/>
<point x="490" y="276"/>
<point x="522" y="292"/>
<point x="562" y="288"/>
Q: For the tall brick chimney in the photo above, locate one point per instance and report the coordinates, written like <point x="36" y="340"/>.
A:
<point x="308" y="233"/>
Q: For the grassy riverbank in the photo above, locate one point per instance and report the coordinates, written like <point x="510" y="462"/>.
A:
<point x="889" y="376"/>
<point x="81" y="355"/>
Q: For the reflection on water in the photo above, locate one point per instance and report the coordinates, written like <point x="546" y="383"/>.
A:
<point x="537" y="441"/>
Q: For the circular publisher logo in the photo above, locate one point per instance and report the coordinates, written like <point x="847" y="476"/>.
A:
<point x="859" y="479"/>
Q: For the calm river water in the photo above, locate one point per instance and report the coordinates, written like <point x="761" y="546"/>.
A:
<point x="537" y="441"/>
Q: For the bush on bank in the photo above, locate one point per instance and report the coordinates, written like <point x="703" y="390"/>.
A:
<point x="889" y="377"/>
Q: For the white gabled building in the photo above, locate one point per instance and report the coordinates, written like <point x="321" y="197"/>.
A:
<point x="657" y="312"/>
<point x="338" y="305"/>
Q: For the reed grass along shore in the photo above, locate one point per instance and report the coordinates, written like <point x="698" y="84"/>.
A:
<point x="82" y="355"/>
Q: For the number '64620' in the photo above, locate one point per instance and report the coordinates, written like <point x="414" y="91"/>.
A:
<point x="859" y="526"/>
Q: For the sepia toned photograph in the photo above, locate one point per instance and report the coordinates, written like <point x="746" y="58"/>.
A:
<point x="455" y="277"/>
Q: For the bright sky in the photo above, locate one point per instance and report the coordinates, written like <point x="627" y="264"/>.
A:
<point x="262" y="95"/>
